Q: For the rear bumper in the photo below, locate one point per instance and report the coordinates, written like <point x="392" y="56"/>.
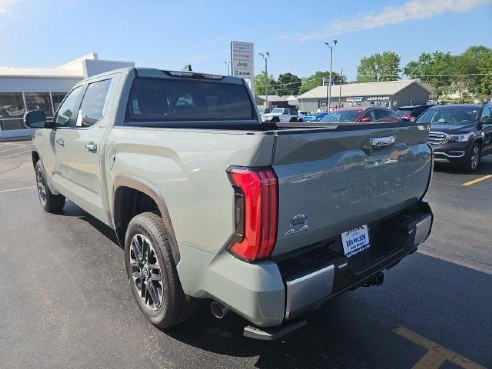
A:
<point x="272" y="292"/>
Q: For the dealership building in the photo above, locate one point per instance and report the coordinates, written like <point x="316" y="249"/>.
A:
<point x="25" y="89"/>
<point x="391" y="94"/>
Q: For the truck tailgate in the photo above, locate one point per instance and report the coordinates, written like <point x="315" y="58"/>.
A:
<point x="342" y="177"/>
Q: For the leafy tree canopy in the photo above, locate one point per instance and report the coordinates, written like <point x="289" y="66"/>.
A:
<point x="262" y="84"/>
<point x="379" y="67"/>
<point x="288" y="84"/>
<point x="316" y="80"/>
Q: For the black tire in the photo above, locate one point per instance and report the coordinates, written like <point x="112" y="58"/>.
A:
<point x="293" y="119"/>
<point x="301" y="120"/>
<point x="172" y="305"/>
<point x="472" y="160"/>
<point x="49" y="202"/>
<point x="275" y="120"/>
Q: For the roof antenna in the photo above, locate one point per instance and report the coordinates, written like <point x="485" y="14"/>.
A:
<point x="187" y="68"/>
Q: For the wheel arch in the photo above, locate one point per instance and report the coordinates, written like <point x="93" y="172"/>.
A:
<point x="132" y="196"/>
<point x="35" y="157"/>
<point x="479" y="141"/>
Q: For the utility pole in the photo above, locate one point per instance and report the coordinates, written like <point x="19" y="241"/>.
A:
<point x="331" y="46"/>
<point x="265" y="56"/>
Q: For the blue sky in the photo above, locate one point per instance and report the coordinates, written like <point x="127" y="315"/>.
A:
<point x="170" y="34"/>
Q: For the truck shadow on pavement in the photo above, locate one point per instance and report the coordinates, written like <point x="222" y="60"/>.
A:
<point x="72" y="210"/>
<point x="447" y="303"/>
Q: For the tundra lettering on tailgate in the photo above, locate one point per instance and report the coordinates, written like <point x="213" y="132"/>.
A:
<point x="365" y="190"/>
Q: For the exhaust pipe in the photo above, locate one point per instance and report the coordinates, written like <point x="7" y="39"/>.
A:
<point x="376" y="281"/>
<point x="218" y="310"/>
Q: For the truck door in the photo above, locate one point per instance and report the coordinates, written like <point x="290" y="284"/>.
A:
<point x="53" y="154"/>
<point x="84" y="157"/>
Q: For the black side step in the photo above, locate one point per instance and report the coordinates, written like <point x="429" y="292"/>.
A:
<point x="270" y="334"/>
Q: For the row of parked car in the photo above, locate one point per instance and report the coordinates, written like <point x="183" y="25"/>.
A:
<point x="460" y="134"/>
<point x="348" y="114"/>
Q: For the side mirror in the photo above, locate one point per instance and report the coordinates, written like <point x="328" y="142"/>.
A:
<point x="487" y="120"/>
<point x="35" y="119"/>
<point x="365" y="120"/>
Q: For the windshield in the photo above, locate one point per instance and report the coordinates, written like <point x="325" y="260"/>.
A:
<point x="449" y="115"/>
<point x="277" y="110"/>
<point x="341" y="116"/>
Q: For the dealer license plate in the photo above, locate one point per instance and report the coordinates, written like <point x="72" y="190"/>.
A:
<point x="355" y="240"/>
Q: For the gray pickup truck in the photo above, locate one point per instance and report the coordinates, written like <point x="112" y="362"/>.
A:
<point x="266" y="220"/>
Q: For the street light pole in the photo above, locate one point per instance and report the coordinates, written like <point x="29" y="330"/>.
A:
<point x="228" y="63"/>
<point x="265" y="58"/>
<point x="331" y="46"/>
<point x="340" y="92"/>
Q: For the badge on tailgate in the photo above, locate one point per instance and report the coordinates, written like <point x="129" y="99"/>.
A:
<point x="355" y="240"/>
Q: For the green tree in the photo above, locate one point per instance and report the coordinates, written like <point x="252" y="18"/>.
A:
<point x="435" y="68"/>
<point x="379" y="67"/>
<point x="261" y="82"/>
<point x="468" y="67"/>
<point x="317" y="80"/>
<point x="485" y="68"/>
<point x="288" y="84"/>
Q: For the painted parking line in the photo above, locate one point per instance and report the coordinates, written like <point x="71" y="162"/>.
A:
<point x="17" y="153"/>
<point x="17" y="189"/>
<point x="436" y="354"/>
<point x="469" y="183"/>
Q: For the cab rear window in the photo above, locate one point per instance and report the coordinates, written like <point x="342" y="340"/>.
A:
<point x="175" y="100"/>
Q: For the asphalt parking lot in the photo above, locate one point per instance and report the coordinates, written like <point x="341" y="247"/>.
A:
<point x="65" y="300"/>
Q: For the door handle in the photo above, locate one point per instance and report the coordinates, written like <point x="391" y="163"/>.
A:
<point x="60" y="142"/>
<point x="91" y="147"/>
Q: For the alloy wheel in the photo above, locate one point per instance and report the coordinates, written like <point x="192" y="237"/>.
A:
<point x="146" y="271"/>
<point x="475" y="156"/>
<point x="41" y="187"/>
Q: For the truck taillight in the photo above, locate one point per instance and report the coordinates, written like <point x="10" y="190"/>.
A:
<point x="256" y="194"/>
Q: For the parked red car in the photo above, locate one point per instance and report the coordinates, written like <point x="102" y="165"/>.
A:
<point x="362" y="114"/>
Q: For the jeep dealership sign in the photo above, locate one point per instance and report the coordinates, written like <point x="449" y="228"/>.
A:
<point x="242" y="60"/>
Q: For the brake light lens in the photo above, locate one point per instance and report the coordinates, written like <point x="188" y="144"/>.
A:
<point x="256" y="193"/>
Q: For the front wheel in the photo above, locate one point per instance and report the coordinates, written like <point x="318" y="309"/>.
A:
<point x="152" y="273"/>
<point x="50" y="202"/>
<point x="473" y="158"/>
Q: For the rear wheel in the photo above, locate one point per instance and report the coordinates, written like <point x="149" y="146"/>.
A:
<point x="50" y="202"/>
<point x="473" y="158"/>
<point x="152" y="273"/>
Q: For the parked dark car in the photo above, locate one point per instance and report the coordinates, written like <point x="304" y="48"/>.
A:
<point x="361" y="114"/>
<point x="460" y="134"/>
<point x="411" y="112"/>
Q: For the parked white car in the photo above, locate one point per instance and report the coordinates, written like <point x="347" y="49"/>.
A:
<point x="281" y="115"/>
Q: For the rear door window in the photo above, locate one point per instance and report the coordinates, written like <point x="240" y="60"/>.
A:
<point x="93" y="103"/>
<point x="175" y="100"/>
<point x="382" y="115"/>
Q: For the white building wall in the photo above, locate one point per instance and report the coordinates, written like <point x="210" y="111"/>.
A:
<point x="31" y="84"/>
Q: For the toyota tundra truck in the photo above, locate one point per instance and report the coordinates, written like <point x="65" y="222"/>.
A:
<point x="265" y="220"/>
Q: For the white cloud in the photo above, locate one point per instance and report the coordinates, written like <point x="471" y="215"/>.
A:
<point x="4" y="7"/>
<point x="409" y="11"/>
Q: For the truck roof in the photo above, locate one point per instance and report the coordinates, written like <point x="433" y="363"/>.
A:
<point x="160" y="73"/>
